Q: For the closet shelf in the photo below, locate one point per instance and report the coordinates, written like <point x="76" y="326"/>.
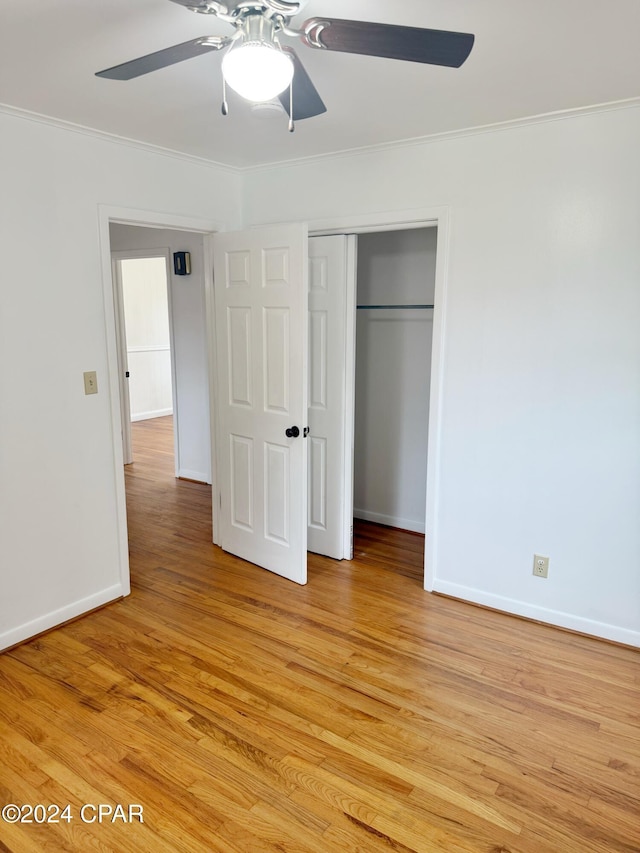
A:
<point x="386" y="307"/>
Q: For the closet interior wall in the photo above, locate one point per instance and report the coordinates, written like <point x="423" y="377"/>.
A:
<point x="393" y="368"/>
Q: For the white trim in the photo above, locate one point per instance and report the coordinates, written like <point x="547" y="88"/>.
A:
<point x="138" y="254"/>
<point x="57" y="617"/>
<point x="147" y="416"/>
<point x="212" y="361"/>
<point x="434" y="438"/>
<point x="153" y="219"/>
<point x="379" y="220"/>
<point x="198" y="476"/>
<point x="104" y="136"/>
<point x="389" y="520"/>
<point x="412" y="142"/>
<point x="556" y="618"/>
<point x="157" y="348"/>
<point x="172" y="362"/>
<point x="350" y="394"/>
<point x="419" y="141"/>
<point x="115" y="403"/>
<point x="158" y="219"/>
<point x="123" y="361"/>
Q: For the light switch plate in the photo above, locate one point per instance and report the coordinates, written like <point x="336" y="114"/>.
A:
<point x="90" y="382"/>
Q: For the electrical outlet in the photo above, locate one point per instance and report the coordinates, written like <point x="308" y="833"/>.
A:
<point x="90" y="382"/>
<point x="540" y="566"/>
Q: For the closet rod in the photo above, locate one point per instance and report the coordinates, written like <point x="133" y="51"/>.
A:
<point x="385" y="307"/>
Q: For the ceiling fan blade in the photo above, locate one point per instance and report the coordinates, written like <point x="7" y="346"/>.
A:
<point x="414" y="44"/>
<point x="306" y="100"/>
<point x="162" y="58"/>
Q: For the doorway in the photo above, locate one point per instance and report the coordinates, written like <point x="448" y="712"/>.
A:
<point x="394" y="331"/>
<point x="146" y="360"/>
<point x="431" y="218"/>
<point x="185" y="363"/>
<point x="256" y="374"/>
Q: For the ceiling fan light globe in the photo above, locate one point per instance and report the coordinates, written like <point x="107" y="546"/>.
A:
<point x="257" y="71"/>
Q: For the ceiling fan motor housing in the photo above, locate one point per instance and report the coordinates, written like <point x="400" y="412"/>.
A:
<point x="230" y="10"/>
<point x="256" y="28"/>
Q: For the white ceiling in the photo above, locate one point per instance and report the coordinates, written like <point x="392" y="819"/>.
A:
<point x="530" y="57"/>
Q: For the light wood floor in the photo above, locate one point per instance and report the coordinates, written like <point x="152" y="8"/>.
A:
<point x="358" y="713"/>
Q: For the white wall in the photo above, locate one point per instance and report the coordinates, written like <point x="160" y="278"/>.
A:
<point x="540" y="432"/>
<point x="189" y="342"/>
<point x="540" y="429"/>
<point x="146" y="312"/>
<point x="393" y="361"/>
<point x="60" y="551"/>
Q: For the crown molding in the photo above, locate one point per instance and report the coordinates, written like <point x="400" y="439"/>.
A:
<point x="418" y="141"/>
<point x="61" y="124"/>
<point x="413" y="142"/>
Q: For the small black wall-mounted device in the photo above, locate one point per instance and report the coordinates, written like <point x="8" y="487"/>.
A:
<point x="182" y="263"/>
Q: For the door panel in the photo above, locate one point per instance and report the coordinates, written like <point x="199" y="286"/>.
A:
<point x="241" y="482"/>
<point x="331" y="292"/>
<point x="276" y="467"/>
<point x="239" y="346"/>
<point x="261" y="330"/>
<point x="318" y="487"/>
<point x="275" y="358"/>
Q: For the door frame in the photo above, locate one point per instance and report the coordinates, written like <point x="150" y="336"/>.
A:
<point x="121" y="337"/>
<point x="108" y="214"/>
<point x="404" y="220"/>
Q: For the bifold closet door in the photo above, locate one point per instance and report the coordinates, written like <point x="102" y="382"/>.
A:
<point x="331" y="357"/>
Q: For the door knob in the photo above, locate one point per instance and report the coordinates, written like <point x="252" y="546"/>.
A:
<point x="292" y="432"/>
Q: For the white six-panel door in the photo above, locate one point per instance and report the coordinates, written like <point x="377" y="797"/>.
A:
<point x="261" y="301"/>
<point x="331" y="368"/>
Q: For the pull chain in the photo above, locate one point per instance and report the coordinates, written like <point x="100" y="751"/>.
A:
<point x="225" y="105"/>
<point x="292" y="126"/>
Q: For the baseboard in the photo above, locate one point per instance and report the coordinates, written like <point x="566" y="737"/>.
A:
<point x="60" y="616"/>
<point x="196" y="476"/>
<point x="389" y="520"/>
<point x="557" y="618"/>
<point x="146" y="416"/>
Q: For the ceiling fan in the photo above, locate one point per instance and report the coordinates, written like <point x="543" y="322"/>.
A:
<point x="259" y="68"/>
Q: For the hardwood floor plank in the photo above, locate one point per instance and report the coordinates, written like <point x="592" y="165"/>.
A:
<point x="357" y="713"/>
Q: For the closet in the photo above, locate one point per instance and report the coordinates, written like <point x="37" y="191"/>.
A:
<point x="394" y="325"/>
